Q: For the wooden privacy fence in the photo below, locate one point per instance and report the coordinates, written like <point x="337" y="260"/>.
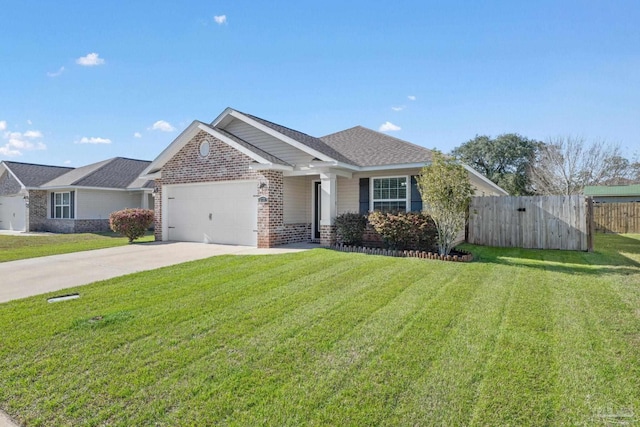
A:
<point x="541" y="222"/>
<point x="617" y="217"/>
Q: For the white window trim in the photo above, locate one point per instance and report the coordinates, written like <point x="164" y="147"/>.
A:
<point x="55" y="205"/>
<point x="407" y="199"/>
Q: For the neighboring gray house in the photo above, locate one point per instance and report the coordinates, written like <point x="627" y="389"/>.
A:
<point x="245" y="180"/>
<point x="613" y="193"/>
<point x="70" y="200"/>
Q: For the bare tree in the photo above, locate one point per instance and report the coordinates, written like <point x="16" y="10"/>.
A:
<point x="565" y="165"/>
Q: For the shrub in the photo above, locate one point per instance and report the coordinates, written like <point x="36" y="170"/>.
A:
<point x="404" y="230"/>
<point x="350" y="228"/>
<point x="131" y="223"/>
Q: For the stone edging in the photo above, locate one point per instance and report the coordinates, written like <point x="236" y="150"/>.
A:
<point x="467" y="257"/>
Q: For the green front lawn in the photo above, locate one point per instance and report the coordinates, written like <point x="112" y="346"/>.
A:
<point x="517" y="337"/>
<point x="20" y="247"/>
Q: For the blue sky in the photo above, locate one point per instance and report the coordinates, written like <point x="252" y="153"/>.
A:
<point x="82" y="81"/>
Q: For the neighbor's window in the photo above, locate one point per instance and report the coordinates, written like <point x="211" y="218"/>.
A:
<point x="61" y="205"/>
<point x="390" y="194"/>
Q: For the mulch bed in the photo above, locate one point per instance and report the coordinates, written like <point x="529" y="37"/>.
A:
<point x="455" y="255"/>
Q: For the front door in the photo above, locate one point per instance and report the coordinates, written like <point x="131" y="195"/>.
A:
<point x="317" y="208"/>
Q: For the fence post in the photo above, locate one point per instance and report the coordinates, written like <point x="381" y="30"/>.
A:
<point x="590" y="224"/>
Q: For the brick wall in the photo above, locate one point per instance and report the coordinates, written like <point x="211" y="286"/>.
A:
<point x="37" y="212"/>
<point x="327" y="235"/>
<point x="224" y="163"/>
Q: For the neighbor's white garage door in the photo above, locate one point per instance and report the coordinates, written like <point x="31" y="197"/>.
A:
<point x="12" y="213"/>
<point x="224" y="212"/>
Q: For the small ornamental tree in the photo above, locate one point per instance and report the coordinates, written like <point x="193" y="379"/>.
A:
<point x="350" y="227"/>
<point x="131" y="223"/>
<point x="446" y="193"/>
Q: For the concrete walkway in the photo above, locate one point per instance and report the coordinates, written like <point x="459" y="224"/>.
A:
<point x="34" y="276"/>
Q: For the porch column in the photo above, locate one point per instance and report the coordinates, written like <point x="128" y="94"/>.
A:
<point x="329" y="208"/>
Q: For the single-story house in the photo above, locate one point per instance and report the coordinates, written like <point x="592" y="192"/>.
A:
<point x="613" y="193"/>
<point x="244" y="180"/>
<point x="70" y="200"/>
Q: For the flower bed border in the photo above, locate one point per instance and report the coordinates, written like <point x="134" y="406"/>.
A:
<point x="467" y="257"/>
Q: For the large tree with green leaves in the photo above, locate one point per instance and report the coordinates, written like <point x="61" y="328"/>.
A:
<point x="446" y="192"/>
<point x="505" y="159"/>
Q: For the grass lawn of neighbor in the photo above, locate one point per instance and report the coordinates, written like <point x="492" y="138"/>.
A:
<point x="516" y="337"/>
<point x="15" y="247"/>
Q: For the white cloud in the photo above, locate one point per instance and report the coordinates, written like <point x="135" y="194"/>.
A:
<point x="18" y="142"/>
<point x="67" y="162"/>
<point x="137" y="135"/>
<point x="412" y="97"/>
<point x="163" y="126"/>
<point x="220" y="19"/>
<point x="33" y="134"/>
<point x="399" y="107"/>
<point x="91" y="60"/>
<point x="388" y="127"/>
<point x="93" y="140"/>
<point x="9" y="152"/>
<point x="57" y="73"/>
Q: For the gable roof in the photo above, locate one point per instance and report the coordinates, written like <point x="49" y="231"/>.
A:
<point x="612" y="190"/>
<point x="118" y="173"/>
<point x="365" y="147"/>
<point x="312" y="142"/>
<point x="32" y="175"/>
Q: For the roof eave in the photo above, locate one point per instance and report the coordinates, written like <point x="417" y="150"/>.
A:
<point x="485" y="179"/>
<point x="8" y="169"/>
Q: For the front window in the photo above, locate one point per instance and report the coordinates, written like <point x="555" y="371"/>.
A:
<point x="390" y="194"/>
<point x="62" y="205"/>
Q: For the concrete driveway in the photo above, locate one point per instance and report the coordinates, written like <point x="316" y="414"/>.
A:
<point x="25" y="278"/>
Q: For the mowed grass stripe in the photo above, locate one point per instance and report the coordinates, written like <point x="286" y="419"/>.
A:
<point x="445" y="392"/>
<point x="371" y="393"/>
<point x="272" y="355"/>
<point x="600" y="378"/>
<point x="332" y="350"/>
<point x="522" y="369"/>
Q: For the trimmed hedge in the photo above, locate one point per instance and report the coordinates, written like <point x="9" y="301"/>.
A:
<point x="350" y="227"/>
<point x="405" y="230"/>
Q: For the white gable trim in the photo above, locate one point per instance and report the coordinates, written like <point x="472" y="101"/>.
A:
<point x="4" y="165"/>
<point x="171" y="150"/>
<point x="300" y="146"/>
<point x="231" y="143"/>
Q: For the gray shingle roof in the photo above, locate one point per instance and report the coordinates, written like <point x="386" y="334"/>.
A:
<point x="260" y="152"/>
<point x="312" y="142"/>
<point x="117" y="172"/>
<point x="35" y="175"/>
<point x="366" y="147"/>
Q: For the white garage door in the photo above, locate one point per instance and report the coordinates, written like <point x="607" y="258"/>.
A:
<point x="225" y="212"/>
<point x="12" y="213"/>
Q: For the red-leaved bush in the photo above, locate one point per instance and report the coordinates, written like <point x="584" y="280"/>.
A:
<point x="404" y="230"/>
<point x="131" y="223"/>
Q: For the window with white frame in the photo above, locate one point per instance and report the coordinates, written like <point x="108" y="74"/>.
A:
<point x="61" y="205"/>
<point x="390" y="194"/>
